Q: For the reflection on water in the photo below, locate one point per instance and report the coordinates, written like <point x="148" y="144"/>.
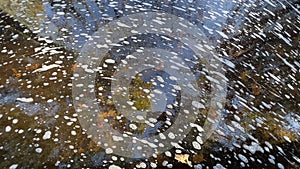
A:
<point x="258" y="42"/>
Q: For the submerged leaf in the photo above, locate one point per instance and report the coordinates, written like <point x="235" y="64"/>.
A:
<point x="183" y="158"/>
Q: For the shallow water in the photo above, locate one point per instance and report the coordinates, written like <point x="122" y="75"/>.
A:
<point x="258" y="125"/>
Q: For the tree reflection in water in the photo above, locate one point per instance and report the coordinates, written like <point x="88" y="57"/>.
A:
<point x="258" y="42"/>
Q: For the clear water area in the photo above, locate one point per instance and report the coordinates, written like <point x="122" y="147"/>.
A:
<point x="259" y="127"/>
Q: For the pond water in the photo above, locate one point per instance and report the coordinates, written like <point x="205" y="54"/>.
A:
<point x="150" y="84"/>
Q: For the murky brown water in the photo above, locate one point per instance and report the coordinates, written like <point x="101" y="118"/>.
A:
<point x="259" y="128"/>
